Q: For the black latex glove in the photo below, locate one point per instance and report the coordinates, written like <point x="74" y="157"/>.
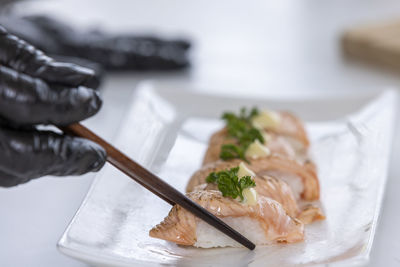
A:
<point x="120" y="52"/>
<point x="34" y="90"/>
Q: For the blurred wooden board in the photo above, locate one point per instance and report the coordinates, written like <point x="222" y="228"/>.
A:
<point x="378" y="44"/>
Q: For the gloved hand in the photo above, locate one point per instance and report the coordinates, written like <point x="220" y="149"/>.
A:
<point x="120" y="52"/>
<point x="35" y="90"/>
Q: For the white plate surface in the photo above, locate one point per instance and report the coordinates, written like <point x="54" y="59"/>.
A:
<point x="167" y="130"/>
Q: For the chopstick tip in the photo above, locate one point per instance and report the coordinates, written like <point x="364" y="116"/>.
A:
<point x="251" y="246"/>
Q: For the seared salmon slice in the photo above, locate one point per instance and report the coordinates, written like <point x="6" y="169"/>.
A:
<point x="302" y="178"/>
<point x="267" y="217"/>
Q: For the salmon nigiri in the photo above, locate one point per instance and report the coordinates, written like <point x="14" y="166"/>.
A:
<point x="302" y="178"/>
<point x="275" y="143"/>
<point x="264" y="222"/>
<point x="267" y="186"/>
<point x="275" y="189"/>
<point x="281" y="133"/>
<point x="283" y="123"/>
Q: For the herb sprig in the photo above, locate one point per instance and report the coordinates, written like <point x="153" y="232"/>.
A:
<point x="240" y="128"/>
<point x="229" y="183"/>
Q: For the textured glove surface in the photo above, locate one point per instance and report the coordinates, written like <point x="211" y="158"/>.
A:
<point x="35" y="90"/>
<point x="113" y="52"/>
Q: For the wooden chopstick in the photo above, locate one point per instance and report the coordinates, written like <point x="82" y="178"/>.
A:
<point x="155" y="184"/>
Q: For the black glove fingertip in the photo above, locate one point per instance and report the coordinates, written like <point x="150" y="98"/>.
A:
<point x="88" y="76"/>
<point x="95" y="104"/>
<point x="100" y="157"/>
<point x="69" y="74"/>
<point x="81" y="103"/>
<point x="82" y="156"/>
<point x="93" y="156"/>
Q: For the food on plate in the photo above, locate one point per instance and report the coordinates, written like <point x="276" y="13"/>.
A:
<point x="257" y="177"/>
<point x="267" y="186"/>
<point x="264" y="222"/>
<point x="302" y="178"/>
<point x="284" y="124"/>
<point x="258" y="133"/>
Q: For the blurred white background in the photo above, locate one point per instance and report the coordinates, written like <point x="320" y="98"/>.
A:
<point x="240" y="47"/>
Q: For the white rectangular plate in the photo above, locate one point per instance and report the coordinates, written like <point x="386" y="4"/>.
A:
<point x="167" y="130"/>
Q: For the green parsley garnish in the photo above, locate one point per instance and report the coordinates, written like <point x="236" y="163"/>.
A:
<point x="229" y="183"/>
<point x="240" y="128"/>
<point x="230" y="151"/>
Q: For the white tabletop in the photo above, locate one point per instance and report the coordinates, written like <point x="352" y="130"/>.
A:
<point x="272" y="46"/>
